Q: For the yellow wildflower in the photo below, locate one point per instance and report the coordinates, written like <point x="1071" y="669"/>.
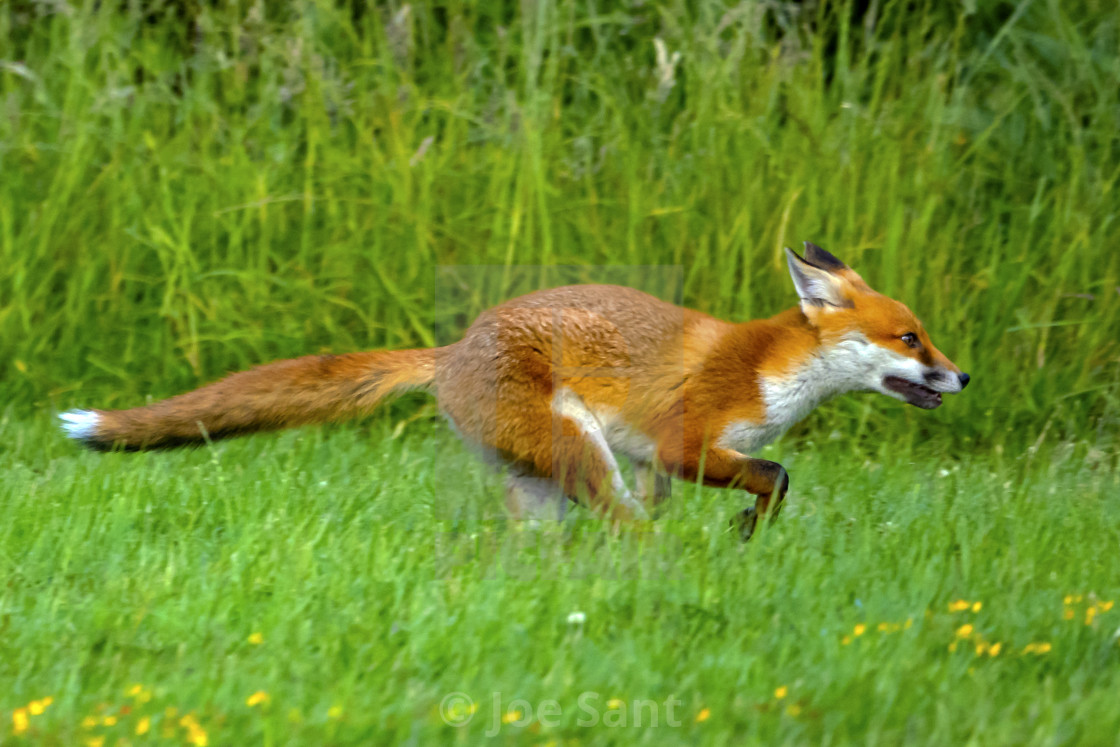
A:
<point x="976" y="606"/>
<point x="95" y="742"/>
<point x="143" y="725"/>
<point x="260" y="696"/>
<point x="35" y="707"/>
<point x="964" y="631"/>
<point x="703" y="715"/>
<point x="89" y="722"/>
<point x="958" y="606"/>
<point x="109" y="720"/>
<point x="859" y="629"/>
<point x="846" y="640"/>
<point x="1105" y="606"/>
<point x="615" y="703"/>
<point x="781" y="692"/>
<point x="334" y="711"/>
<point x="196" y="735"/>
<point x="994" y="649"/>
<point x="1043" y="648"/>
<point x="20" y="721"/>
<point x="510" y="716"/>
<point x="256" y="639"/>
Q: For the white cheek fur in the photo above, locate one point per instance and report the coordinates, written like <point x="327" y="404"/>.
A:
<point x="852" y="364"/>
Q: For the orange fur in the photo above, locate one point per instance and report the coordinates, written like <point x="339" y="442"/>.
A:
<point x="283" y="394"/>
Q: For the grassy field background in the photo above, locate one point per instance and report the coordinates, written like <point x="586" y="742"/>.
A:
<point x="193" y="188"/>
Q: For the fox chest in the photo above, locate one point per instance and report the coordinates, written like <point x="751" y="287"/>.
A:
<point x="787" y="400"/>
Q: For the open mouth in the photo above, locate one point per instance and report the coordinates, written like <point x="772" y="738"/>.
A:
<point x="915" y="394"/>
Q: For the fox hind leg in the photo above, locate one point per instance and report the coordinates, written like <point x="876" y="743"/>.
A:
<point x="554" y="445"/>
<point x="537" y="498"/>
<point x="652" y="487"/>
<point x="582" y="461"/>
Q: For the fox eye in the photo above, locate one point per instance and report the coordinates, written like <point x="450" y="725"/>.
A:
<point x="911" y="339"/>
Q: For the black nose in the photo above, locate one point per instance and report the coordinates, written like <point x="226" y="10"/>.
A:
<point x="964" y="380"/>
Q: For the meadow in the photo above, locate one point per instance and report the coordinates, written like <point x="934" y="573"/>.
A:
<point x="192" y="188"/>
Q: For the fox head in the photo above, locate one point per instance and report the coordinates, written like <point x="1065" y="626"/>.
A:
<point x="870" y="342"/>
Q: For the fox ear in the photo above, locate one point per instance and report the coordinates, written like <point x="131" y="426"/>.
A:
<point x="818" y="287"/>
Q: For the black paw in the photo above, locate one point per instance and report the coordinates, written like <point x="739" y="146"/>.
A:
<point x="744" y="523"/>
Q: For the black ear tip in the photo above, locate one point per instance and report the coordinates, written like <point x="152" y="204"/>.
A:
<point x="822" y="259"/>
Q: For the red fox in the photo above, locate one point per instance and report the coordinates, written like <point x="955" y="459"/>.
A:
<point x="556" y="384"/>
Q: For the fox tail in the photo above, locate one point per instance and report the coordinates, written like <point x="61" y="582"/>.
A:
<point x="283" y="394"/>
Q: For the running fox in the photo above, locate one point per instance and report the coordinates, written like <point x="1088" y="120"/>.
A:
<point x="554" y="385"/>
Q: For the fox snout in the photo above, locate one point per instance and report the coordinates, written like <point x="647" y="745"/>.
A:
<point x="949" y="382"/>
<point x="925" y="389"/>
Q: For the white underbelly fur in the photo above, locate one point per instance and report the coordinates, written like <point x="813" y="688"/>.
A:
<point x="745" y="436"/>
<point x="624" y="438"/>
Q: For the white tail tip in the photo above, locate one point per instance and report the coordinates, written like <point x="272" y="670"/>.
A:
<point x="80" y="424"/>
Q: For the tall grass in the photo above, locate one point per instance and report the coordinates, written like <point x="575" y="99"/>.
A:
<point x="198" y="187"/>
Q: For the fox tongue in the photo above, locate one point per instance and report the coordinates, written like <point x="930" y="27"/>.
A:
<point x="915" y="394"/>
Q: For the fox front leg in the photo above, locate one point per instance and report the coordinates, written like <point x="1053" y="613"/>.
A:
<point x="727" y="468"/>
<point x="769" y="481"/>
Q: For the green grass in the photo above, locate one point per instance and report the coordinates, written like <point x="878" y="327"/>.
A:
<point x="209" y="186"/>
<point x="381" y="581"/>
